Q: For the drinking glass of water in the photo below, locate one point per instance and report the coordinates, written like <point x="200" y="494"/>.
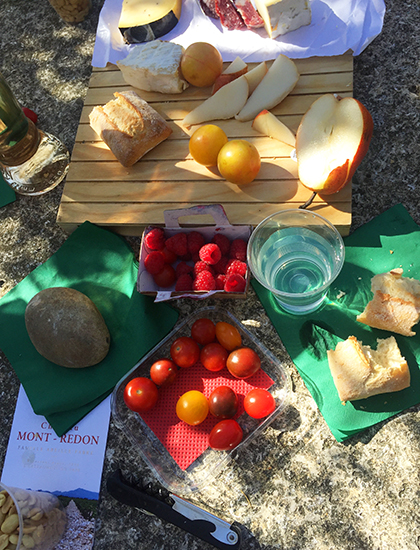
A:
<point x="296" y="255"/>
<point x="31" y="161"/>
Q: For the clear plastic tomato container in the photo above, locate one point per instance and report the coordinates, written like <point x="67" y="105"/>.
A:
<point x="179" y="454"/>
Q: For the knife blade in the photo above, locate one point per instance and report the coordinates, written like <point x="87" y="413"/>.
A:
<point x="159" y="502"/>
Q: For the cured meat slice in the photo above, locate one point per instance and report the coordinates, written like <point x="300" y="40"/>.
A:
<point x="209" y="8"/>
<point x="229" y="15"/>
<point x="251" y="17"/>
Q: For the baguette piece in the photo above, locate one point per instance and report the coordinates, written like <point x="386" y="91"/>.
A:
<point x="395" y="305"/>
<point x="129" y="126"/>
<point x="359" y="371"/>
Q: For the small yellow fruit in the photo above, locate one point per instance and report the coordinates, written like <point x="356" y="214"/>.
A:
<point x="205" y="144"/>
<point x="201" y="64"/>
<point x="239" y="161"/>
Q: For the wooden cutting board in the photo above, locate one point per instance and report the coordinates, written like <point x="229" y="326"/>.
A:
<point x="99" y="189"/>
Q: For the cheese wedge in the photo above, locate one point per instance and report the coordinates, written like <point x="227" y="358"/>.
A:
<point x="146" y="20"/>
<point x="224" y="104"/>
<point x="279" y="81"/>
<point x="283" y="16"/>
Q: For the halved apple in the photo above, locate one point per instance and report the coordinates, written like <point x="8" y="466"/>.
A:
<point x="332" y="139"/>
<point x="237" y="68"/>
<point x="268" y="124"/>
<point x="224" y="104"/>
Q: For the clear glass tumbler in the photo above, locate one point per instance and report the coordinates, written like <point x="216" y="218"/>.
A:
<point x="30" y="519"/>
<point x="32" y="162"/>
<point x="296" y="255"/>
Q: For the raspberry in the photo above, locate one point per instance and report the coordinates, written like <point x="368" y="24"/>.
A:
<point x="238" y="250"/>
<point x="155" y="239"/>
<point x="170" y="257"/>
<point x="183" y="268"/>
<point x="204" y="281"/>
<point x="196" y="257"/>
<point x="154" y="262"/>
<point x="236" y="266"/>
<point x="186" y="257"/>
<point x="222" y="242"/>
<point x="222" y="265"/>
<point x="201" y="266"/>
<point x="177" y="244"/>
<point x="195" y="241"/>
<point x="235" y="283"/>
<point x="184" y="282"/>
<point x="220" y="281"/>
<point x="30" y="114"/>
<point x="210" y="253"/>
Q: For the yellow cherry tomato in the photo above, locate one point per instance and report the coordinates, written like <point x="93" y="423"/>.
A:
<point x="192" y="407"/>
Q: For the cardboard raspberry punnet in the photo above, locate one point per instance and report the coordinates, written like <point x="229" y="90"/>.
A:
<point x="146" y="284"/>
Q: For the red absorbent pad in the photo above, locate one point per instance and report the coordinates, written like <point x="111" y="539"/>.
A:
<point x="183" y="442"/>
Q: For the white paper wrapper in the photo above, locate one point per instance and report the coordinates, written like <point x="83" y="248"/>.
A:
<point x="337" y="26"/>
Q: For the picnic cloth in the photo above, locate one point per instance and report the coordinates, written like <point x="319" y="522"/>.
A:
<point x="389" y="241"/>
<point x="101" y="265"/>
<point x="7" y="195"/>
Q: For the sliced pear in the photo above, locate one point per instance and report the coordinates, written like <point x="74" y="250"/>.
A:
<point x="279" y="81"/>
<point x="224" y="104"/>
<point x="255" y="75"/>
<point x="268" y="124"/>
<point x="237" y="65"/>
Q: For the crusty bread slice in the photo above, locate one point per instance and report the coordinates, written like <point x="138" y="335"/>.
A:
<point x="359" y="371"/>
<point x="395" y="305"/>
<point x="129" y="126"/>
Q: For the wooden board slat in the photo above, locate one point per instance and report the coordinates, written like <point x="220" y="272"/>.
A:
<point x="99" y="189"/>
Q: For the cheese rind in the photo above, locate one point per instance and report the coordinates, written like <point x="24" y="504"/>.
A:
<point x="145" y="20"/>
<point x="154" y="67"/>
<point x="283" y="16"/>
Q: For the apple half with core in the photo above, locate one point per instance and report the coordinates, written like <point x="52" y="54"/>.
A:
<point x="332" y="139"/>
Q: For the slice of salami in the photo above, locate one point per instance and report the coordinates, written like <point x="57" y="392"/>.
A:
<point x="251" y="17"/>
<point x="229" y="15"/>
<point x="209" y="8"/>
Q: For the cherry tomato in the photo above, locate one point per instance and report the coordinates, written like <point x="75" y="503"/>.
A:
<point x="203" y="331"/>
<point x="214" y="356"/>
<point x="226" y="435"/>
<point x="243" y="363"/>
<point x="185" y="351"/>
<point x="166" y="277"/>
<point x="141" y="394"/>
<point x="223" y="402"/>
<point x="228" y="335"/>
<point x="192" y="407"/>
<point x="259" y="403"/>
<point x="163" y="372"/>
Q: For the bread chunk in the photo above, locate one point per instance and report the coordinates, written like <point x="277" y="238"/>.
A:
<point x="129" y="126"/>
<point x="359" y="371"/>
<point x="395" y="305"/>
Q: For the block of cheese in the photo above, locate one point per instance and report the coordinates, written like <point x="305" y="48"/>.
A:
<point x="146" y="20"/>
<point x="154" y="67"/>
<point x="129" y="126"/>
<point x="283" y="16"/>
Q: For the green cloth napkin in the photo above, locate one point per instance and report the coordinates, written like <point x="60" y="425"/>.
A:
<point x="391" y="240"/>
<point x="7" y="195"/>
<point x="100" y="264"/>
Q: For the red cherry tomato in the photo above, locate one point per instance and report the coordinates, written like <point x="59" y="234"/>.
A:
<point x="203" y="331"/>
<point x="185" y="351"/>
<point x="141" y="394"/>
<point x="163" y="372"/>
<point x="166" y="277"/>
<point x="226" y="435"/>
<point x="223" y="402"/>
<point x="259" y="403"/>
<point x="228" y="335"/>
<point x="214" y="356"/>
<point x="192" y="407"/>
<point x="243" y="363"/>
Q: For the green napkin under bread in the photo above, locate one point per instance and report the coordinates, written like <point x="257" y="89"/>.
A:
<point x="101" y="265"/>
<point x="389" y="241"/>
